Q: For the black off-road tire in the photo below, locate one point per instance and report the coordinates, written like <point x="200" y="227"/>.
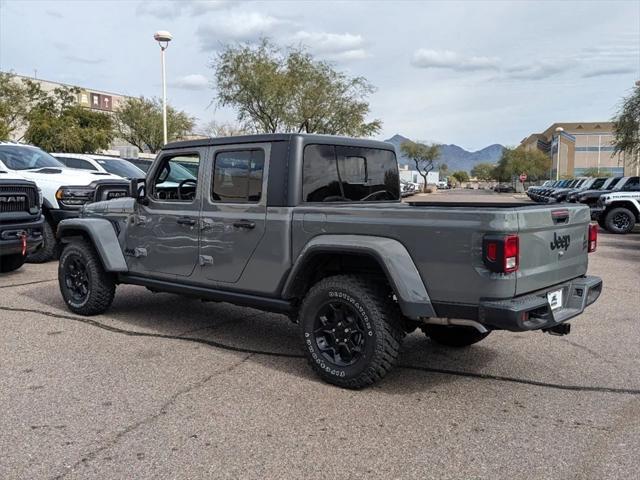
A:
<point x="101" y="285"/>
<point x="9" y="263"/>
<point x="613" y="218"/>
<point x="381" y="322"/>
<point x="50" y="249"/>
<point x="457" y="336"/>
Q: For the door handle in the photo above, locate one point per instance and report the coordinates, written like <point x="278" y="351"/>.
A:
<point x="186" y="221"/>
<point x="244" y="224"/>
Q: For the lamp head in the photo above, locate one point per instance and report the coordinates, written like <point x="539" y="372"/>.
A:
<point x="163" y="38"/>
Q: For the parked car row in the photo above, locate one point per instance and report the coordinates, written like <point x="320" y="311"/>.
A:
<point x="63" y="192"/>
<point x="614" y="201"/>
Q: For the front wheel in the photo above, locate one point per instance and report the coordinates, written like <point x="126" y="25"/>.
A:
<point x="86" y="287"/>
<point x="50" y="249"/>
<point x="453" y="335"/>
<point x="9" y="263"/>
<point x="351" y="329"/>
<point x="619" y="220"/>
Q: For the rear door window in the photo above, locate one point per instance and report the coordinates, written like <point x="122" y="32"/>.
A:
<point x="237" y="176"/>
<point x="349" y="174"/>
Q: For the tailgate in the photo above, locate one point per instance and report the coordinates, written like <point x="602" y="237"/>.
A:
<point x="553" y="245"/>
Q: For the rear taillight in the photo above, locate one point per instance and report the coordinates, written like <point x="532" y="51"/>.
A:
<point x="593" y="237"/>
<point x="501" y="253"/>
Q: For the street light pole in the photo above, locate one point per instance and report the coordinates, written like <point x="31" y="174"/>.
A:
<point x="559" y="131"/>
<point x="163" y="38"/>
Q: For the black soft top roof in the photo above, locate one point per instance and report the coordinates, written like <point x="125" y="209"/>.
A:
<point x="279" y="137"/>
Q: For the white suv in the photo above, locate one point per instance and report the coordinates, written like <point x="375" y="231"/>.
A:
<point x="620" y="210"/>
<point x="64" y="190"/>
<point x="100" y="163"/>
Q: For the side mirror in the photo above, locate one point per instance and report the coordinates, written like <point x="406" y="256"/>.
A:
<point x="137" y="188"/>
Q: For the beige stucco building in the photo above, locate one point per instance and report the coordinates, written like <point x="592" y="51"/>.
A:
<point x="99" y="100"/>
<point x="579" y="147"/>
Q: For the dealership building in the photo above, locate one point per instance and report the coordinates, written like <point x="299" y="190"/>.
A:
<point x="98" y="100"/>
<point x="575" y="148"/>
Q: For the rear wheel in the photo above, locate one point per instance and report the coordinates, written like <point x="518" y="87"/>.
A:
<point x="86" y="287"/>
<point x="453" y="335"/>
<point x="49" y="249"/>
<point x="9" y="263"/>
<point x="619" y="220"/>
<point x="351" y="329"/>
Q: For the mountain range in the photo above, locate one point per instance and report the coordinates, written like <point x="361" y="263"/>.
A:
<point x="456" y="158"/>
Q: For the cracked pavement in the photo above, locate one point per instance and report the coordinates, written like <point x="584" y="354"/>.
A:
<point x="168" y="387"/>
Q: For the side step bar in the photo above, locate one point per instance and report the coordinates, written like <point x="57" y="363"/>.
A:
<point x="244" y="299"/>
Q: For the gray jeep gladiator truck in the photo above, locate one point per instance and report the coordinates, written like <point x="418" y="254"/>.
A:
<point x="313" y="227"/>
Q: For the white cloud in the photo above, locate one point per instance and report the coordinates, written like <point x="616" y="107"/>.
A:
<point x="238" y="27"/>
<point x="324" y="42"/>
<point x="172" y="9"/>
<point x="54" y="13"/>
<point x="348" y="55"/>
<point x="446" y="59"/>
<point x="538" y="70"/>
<point x="194" y="81"/>
<point x="601" y="72"/>
<point x="339" y="47"/>
<point x="85" y="60"/>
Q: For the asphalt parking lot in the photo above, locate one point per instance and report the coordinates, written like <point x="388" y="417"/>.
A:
<point x="167" y="387"/>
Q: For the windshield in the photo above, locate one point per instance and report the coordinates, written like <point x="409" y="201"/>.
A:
<point x="177" y="173"/>
<point x="597" y="183"/>
<point x="614" y="182"/>
<point x="121" y="168"/>
<point x="16" y="157"/>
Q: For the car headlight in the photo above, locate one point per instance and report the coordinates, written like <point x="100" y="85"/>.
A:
<point x="75" y="197"/>
<point x="40" y="198"/>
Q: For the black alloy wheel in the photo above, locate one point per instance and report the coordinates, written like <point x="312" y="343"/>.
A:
<point x="339" y="333"/>
<point x="76" y="279"/>
<point x="621" y="221"/>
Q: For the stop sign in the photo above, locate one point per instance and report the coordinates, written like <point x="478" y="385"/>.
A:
<point x="523" y="177"/>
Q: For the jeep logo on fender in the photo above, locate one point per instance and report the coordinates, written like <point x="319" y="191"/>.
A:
<point x="560" y="242"/>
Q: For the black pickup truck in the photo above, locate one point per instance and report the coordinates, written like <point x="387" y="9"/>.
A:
<point x="20" y="220"/>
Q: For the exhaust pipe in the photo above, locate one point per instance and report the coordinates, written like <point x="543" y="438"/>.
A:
<point x="456" y="321"/>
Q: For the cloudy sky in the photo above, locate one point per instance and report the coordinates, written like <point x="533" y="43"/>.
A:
<point x="468" y="72"/>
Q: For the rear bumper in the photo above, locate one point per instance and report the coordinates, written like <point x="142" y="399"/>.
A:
<point x="533" y="312"/>
<point x="11" y="236"/>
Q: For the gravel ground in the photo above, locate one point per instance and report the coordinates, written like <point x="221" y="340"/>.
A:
<point x="167" y="387"/>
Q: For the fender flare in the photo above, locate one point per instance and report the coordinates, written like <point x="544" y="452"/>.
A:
<point x="390" y="254"/>
<point x="101" y="234"/>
